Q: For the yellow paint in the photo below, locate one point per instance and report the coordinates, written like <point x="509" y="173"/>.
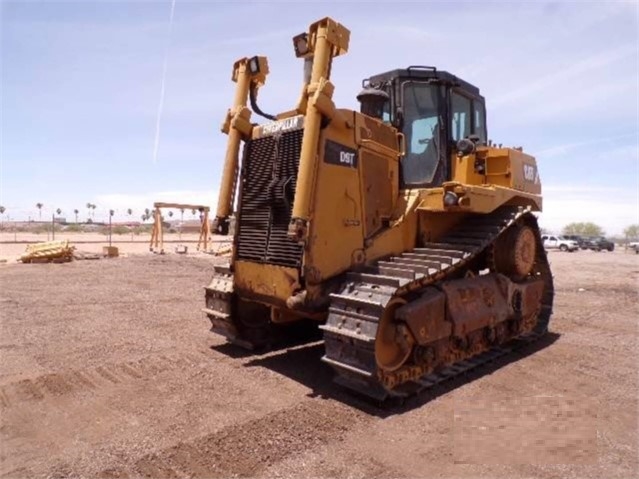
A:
<point x="348" y="215"/>
<point x="265" y="280"/>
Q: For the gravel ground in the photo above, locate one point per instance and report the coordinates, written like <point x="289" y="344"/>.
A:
<point x="108" y="370"/>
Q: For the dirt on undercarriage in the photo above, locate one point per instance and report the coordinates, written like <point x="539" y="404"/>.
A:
<point x="107" y="369"/>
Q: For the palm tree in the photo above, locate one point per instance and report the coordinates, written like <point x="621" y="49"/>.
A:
<point x="129" y="211"/>
<point x="39" y="206"/>
<point x="2" y="210"/>
<point x="93" y="207"/>
<point x="89" y="208"/>
<point x="75" y="212"/>
<point x="59" y="211"/>
<point x="170" y="214"/>
<point x="193" y="211"/>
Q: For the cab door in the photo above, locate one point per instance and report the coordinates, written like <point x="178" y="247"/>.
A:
<point x="424" y="164"/>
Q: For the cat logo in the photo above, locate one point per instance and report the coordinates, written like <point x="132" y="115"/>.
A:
<point x="281" y="126"/>
<point x="529" y="172"/>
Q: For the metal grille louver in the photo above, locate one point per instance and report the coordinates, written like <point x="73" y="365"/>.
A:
<point x="269" y="176"/>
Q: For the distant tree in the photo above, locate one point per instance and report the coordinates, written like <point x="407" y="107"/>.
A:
<point x="193" y="211"/>
<point x="91" y="207"/>
<point x="75" y="212"/>
<point x="170" y="214"/>
<point x="111" y="212"/>
<point x="58" y="211"/>
<point x="631" y="232"/>
<point x="39" y="206"/>
<point x="144" y="218"/>
<point x="583" y="229"/>
<point x="2" y="210"/>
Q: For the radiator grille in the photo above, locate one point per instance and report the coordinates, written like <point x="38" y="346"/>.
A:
<point x="269" y="176"/>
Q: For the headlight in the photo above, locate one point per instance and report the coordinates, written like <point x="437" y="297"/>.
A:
<point x="254" y="65"/>
<point x="450" y="199"/>
<point x="300" y="44"/>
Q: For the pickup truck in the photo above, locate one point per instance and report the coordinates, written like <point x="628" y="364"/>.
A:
<point x="559" y="242"/>
<point x="635" y="246"/>
<point x="599" y="243"/>
<point x="580" y="240"/>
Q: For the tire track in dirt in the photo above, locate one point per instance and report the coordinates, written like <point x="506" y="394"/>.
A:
<point x="78" y="381"/>
<point x="244" y="450"/>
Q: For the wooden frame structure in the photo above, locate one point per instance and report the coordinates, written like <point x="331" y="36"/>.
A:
<point x="157" y="235"/>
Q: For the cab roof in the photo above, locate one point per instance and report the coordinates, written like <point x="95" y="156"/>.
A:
<point x="425" y="73"/>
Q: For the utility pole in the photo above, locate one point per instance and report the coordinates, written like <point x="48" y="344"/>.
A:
<point x="110" y="232"/>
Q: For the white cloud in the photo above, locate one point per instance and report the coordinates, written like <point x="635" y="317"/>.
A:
<point x="596" y="61"/>
<point x="611" y="208"/>
<point x="561" y="150"/>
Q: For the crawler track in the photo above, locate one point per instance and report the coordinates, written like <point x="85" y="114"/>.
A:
<point x="355" y="311"/>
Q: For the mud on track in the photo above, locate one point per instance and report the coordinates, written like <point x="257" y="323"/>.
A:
<point x="107" y="369"/>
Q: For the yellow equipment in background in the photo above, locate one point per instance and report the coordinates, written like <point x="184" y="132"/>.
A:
<point x="399" y="228"/>
<point x="51" y="251"/>
<point x="156" y="244"/>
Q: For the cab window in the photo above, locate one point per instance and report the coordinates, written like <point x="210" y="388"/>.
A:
<point x="460" y="116"/>
<point x="422" y="129"/>
<point x="479" y="128"/>
<point x="386" y="116"/>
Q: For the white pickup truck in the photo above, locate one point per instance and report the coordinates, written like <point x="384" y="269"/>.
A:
<point x="635" y="246"/>
<point x="559" y="242"/>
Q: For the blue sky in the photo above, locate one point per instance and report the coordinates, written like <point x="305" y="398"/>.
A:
<point x="81" y="86"/>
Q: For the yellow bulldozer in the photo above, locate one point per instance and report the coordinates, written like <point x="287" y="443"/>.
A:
<point x="399" y="229"/>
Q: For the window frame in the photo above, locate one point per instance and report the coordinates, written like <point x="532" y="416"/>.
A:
<point x="442" y="101"/>
<point x="471" y="113"/>
<point x="473" y="126"/>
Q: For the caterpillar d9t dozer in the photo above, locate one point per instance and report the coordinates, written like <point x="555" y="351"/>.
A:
<point x="399" y="229"/>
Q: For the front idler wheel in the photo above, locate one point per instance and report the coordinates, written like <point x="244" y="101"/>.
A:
<point x="514" y="252"/>
<point x="394" y="342"/>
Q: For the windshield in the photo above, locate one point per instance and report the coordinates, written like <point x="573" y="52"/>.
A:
<point x="421" y="129"/>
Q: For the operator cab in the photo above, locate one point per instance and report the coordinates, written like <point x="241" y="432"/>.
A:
<point x="434" y="110"/>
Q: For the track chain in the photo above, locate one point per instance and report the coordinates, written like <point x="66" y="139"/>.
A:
<point x="355" y="311"/>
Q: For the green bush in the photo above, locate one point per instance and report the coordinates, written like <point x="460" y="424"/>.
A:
<point x="120" y="230"/>
<point x="142" y="229"/>
<point x="116" y="230"/>
<point x="74" y="228"/>
<point x="45" y="228"/>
